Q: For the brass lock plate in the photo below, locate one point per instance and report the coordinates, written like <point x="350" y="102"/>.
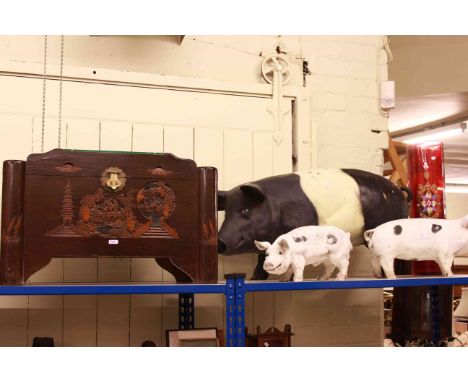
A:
<point x="113" y="178"/>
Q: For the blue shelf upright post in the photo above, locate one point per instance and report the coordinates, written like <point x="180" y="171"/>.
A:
<point x="235" y="309"/>
<point x="186" y="311"/>
<point x="435" y="315"/>
<point x="240" y="309"/>
<point x="230" y="295"/>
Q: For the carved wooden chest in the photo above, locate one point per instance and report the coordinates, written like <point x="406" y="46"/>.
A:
<point x="68" y="203"/>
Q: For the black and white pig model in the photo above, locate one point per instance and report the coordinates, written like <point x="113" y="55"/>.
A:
<point x="352" y="200"/>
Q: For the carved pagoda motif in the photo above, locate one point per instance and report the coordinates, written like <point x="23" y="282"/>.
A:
<point x="67" y="228"/>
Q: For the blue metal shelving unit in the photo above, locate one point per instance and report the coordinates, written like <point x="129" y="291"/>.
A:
<point x="235" y="289"/>
<point x="243" y="287"/>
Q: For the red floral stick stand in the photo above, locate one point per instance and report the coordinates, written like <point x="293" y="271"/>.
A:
<point x="427" y="181"/>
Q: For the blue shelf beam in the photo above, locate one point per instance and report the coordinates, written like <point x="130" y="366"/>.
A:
<point x="354" y="283"/>
<point x="109" y="289"/>
<point x="250" y="286"/>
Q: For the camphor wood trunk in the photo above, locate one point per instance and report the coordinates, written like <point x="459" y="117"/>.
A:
<point x="109" y="204"/>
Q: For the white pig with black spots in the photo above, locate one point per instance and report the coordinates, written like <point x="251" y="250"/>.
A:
<point x="314" y="245"/>
<point x="418" y="239"/>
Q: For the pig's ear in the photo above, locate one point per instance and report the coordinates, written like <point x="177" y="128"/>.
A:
<point x="222" y="200"/>
<point x="368" y="237"/>
<point x="262" y="245"/>
<point x="253" y="191"/>
<point x="283" y="244"/>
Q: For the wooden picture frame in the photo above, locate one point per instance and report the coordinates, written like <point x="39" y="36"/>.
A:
<point x="272" y="337"/>
<point x="203" y="337"/>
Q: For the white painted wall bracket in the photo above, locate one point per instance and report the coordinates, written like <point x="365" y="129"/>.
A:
<point x="275" y="70"/>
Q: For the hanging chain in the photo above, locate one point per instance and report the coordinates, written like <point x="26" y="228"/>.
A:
<point x="44" y="94"/>
<point x="60" y="95"/>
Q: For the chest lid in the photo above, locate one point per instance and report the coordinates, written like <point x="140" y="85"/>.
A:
<point x="111" y="165"/>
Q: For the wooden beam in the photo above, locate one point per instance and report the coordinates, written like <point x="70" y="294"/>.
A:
<point x="399" y="170"/>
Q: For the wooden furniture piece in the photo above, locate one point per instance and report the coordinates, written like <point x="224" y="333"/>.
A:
<point x="68" y="203"/>
<point x="204" y="337"/>
<point x="396" y="156"/>
<point x="460" y="327"/>
<point x="43" y="342"/>
<point x="272" y="337"/>
<point x="413" y="313"/>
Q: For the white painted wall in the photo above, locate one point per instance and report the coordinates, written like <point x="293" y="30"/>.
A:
<point x="429" y="64"/>
<point x="456" y="205"/>
<point x="344" y="76"/>
<point x="344" y="110"/>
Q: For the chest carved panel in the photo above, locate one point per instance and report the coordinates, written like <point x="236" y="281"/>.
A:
<point x="132" y="214"/>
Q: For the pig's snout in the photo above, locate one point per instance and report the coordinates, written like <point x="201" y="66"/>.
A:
<point x="267" y="265"/>
<point x="222" y="247"/>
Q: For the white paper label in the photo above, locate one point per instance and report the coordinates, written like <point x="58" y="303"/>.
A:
<point x="113" y="242"/>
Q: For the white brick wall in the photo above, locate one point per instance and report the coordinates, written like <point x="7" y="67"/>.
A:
<point x="344" y="90"/>
<point x="343" y="81"/>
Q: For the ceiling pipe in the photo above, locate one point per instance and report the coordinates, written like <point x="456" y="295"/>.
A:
<point x="425" y="127"/>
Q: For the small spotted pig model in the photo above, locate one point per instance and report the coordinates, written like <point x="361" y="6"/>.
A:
<point x="314" y="245"/>
<point x="418" y="239"/>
